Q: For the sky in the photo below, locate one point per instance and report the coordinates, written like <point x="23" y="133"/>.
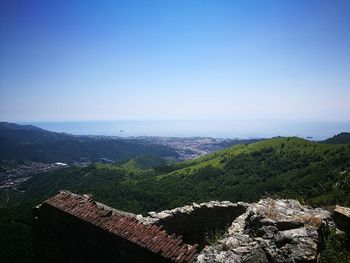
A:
<point x="181" y="59"/>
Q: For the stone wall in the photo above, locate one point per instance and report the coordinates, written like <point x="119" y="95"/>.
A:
<point x="342" y="218"/>
<point x="75" y="228"/>
<point x="198" y="222"/>
<point x="272" y="231"/>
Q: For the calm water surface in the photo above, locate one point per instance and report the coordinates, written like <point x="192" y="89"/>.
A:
<point x="187" y="128"/>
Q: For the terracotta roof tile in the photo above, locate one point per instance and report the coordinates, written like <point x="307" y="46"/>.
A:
<point x="150" y="237"/>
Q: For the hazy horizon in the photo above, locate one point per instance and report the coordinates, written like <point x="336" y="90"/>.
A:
<point x="123" y="60"/>
<point x="197" y="128"/>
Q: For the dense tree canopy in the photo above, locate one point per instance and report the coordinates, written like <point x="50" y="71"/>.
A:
<point x="314" y="173"/>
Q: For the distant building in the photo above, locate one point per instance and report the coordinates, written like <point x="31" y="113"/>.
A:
<point x="61" y="164"/>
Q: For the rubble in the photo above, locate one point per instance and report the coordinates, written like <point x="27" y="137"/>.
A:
<point x="271" y="231"/>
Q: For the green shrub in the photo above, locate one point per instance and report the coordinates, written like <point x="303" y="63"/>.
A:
<point x="335" y="250"/>
<point x="212" y="237"/>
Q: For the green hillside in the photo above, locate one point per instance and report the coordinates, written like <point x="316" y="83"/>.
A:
<point x="144" y="162"/>
<point x="314" y="173"/>
<point x="34" y="144"/>
<point x="341" y="138"/>
<point x="286" y="167"/>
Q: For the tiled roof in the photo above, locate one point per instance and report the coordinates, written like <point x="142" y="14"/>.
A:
<point x="123" y="225"/>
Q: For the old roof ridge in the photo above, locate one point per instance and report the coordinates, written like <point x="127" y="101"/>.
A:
<point x="124" y="225"/>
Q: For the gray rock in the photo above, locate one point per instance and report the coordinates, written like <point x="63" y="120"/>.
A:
<point x="342" y="218"/>
<point x="256" y="256"/>
<point x="279" y="230"/>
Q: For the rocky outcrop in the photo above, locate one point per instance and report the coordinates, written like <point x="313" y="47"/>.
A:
<point x="342" y="218"/>
<point x="75" y="228"/>
<point x="271" y="231"/>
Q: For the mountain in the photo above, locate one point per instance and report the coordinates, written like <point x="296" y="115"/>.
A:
<point x="316" y="173"/>
<point x="341" y="138"/>
<point x="35" y="144"/>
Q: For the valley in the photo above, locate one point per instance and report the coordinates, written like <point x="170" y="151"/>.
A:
<point x="28" y="150"/>
<point x="159" y="173"/>
<point x="13" y="173"/>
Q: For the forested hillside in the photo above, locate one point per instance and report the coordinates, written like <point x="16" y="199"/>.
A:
<point x="34" y="144"/>
<point x="314" y="173"/>
<point x="286" y="167"/>
<point x="341" y="138"/>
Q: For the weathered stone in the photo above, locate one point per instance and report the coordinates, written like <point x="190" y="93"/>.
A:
<point x="286" y="224"/>
<point x="152" y="214"/>
<point x="196" y="224"/>
<point x="275" y="231"/>
<point x="256" y="256"/>
<point x="227" y="257"/>
<point x="269" y="231"/>
<point x="278" y="230"/>
<point x="162" y="215"/>
<point x="196" y="205"/>
<point x="214" y="255"/>
<point x="268" y="222"/>
<point x="342" y="218"/>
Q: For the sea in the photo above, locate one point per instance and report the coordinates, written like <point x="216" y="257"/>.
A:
<point x="198" y="128"/>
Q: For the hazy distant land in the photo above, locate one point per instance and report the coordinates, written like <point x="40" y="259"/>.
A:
<point x="199" y="128"/>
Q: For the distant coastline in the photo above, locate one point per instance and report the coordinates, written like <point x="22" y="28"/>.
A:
<point x="202" y="128"/>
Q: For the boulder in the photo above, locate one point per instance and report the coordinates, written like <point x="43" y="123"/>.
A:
<point x="342" y="218"/>
<point x="272" y="231"/>
<point x="256" y="256"/>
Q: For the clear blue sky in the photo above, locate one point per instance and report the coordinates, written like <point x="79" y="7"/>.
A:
<point x="120" y="60"/>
